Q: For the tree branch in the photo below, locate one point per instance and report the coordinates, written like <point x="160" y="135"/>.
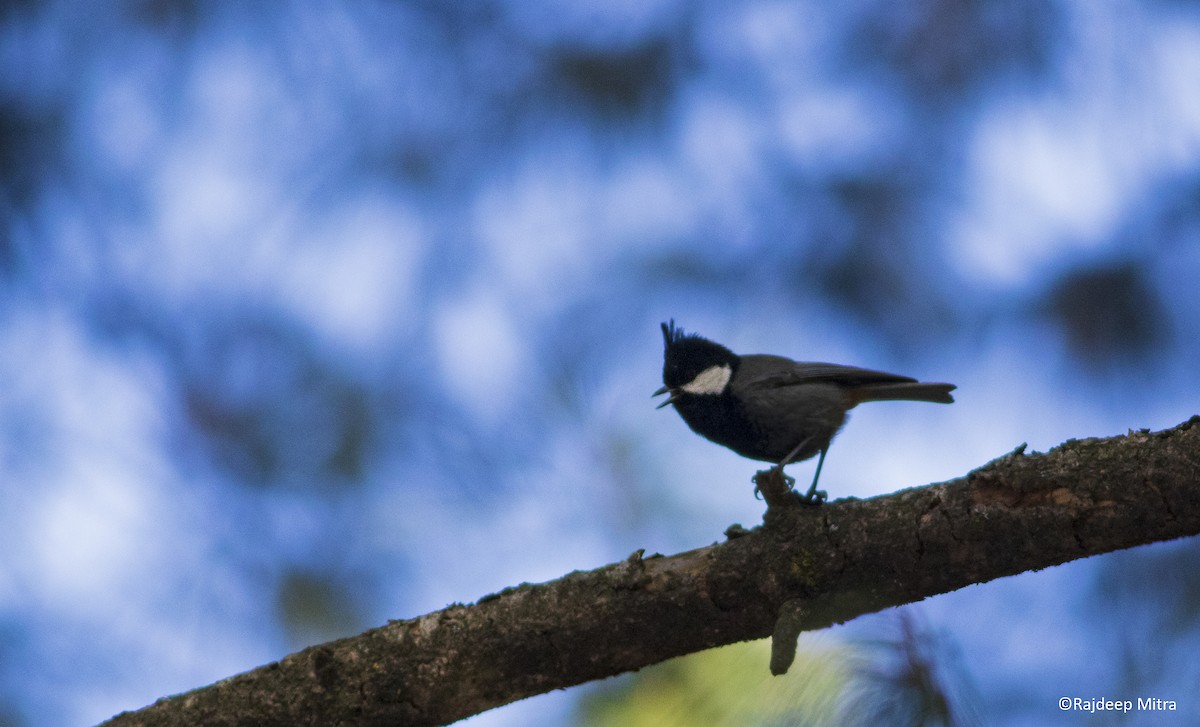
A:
<point x="829" y="564"/>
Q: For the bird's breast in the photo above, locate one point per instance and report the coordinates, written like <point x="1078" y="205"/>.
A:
<point x="718" y="418"/>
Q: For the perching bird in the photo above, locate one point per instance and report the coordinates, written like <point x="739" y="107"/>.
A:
<point x="772" y="408"/>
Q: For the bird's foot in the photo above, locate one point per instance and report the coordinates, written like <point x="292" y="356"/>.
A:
<point x="772" y="479"/>
<point x="814" y="498"/>
<point x="778" y="490"/>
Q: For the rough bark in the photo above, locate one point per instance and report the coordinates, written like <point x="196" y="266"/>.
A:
<point x="819" y="566"/>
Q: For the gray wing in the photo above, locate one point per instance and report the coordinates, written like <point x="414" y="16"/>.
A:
<point x="770" y="372"/>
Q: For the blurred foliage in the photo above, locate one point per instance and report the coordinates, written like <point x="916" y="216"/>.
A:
<point x="726" y="686"/>
<point x="1109" y="315"/>
<point x="166" y="16"/>
<point x="943" y="50"/>
<point x="1155" y="592"/>
<point x="315" y="608"/>
<point x="903" y="678"/>
<point x="908" y="678"/>
<point x="616" y="84"/>
<point x="273" y="411"/>
<point x="30" y="142"/>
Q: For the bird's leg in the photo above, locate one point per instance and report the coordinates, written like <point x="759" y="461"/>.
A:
<point x="791" y="480"/>
<point x="815" y="496"/>
<point x="807" y="499"/>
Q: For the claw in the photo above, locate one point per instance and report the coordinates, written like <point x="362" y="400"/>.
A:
<point x="791" y="481"/>
<point x="814" y="499"/>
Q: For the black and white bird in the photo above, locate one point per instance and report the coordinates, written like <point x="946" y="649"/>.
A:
<point x="771" y="408"/>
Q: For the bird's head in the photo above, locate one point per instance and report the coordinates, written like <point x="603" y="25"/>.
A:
<point x="693" y="365"/>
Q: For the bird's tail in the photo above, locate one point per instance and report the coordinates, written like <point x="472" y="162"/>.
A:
<point x="906" y="391"/>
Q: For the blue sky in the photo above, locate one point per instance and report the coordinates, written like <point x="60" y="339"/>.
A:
<point x="316" y="316"/>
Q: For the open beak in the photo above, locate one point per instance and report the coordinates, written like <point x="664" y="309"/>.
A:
<point x="660" y="392"/>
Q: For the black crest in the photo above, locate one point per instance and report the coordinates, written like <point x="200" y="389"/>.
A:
<point x="687" y="354"/>
<point x="671" y="334"/>
<point x="674" y="337"/>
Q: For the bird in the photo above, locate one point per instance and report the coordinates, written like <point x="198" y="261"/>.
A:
<point x="771" y="408"/>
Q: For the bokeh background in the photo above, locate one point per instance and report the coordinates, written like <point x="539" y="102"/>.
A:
<point x="314" y="315"/>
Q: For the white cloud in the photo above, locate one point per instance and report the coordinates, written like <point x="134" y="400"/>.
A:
<point x="479" y="353"/>
<point x="534" y="226"/>
<point x="354" y="279"/>
<point x="1051" y="176"/>
<point x="85" y="468"/>
<point x="1042" y="181"/>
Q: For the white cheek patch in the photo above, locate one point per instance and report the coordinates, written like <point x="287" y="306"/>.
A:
<point x="711" y="380"/>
